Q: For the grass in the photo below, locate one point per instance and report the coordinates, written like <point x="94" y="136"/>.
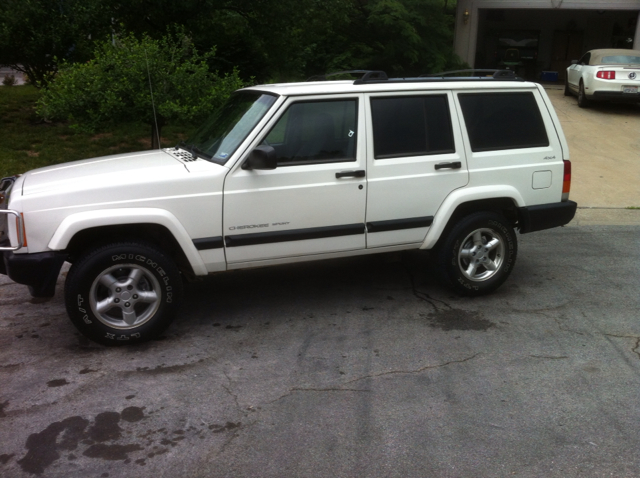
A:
<point x="26" y="142"/>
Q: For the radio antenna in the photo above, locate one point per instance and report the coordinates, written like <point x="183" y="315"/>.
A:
<point x="153" y="106"/>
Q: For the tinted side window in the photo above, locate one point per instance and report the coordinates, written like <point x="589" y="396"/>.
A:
<point x="498" y="121"/>
<point x="316" y="131"/>
<point x="411" y="126"/>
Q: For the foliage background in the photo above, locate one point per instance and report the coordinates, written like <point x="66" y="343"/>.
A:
<point x="67" y="50"/>
<point x="270" y="40"/>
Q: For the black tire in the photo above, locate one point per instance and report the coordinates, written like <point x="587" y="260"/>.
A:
<point x="567" y="90"/>
<point x="123" y="293"/>
<point x="465" y="245"/>
<point x="583" y="102"/>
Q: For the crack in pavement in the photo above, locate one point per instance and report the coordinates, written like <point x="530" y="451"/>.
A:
<point x="228" y="390"/>
<point x="382" y="374"/>
<point x="423" y="295"/>
<point x="408" y="372"/>
<point x="300" y="389"/>
<point x="564" y="329"/>
<point x="233" y="436"/>
<point x="557" y="320"/>
<point x="550" y="357"/>
<point x="329" y="390"/>
<point x="236" y="429"/>
<point x="636" y="347"/>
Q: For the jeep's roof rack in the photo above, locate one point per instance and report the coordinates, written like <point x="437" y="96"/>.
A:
<point x="497" y="74"/>
<point x="379" y="76"/>
<point x="483" y="75"/>
<point x="365" y="74"/>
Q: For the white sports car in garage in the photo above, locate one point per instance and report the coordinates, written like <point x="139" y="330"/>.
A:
<point x="611" y="74"/>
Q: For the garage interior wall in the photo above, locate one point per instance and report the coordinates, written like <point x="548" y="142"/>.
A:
<point x="539" y="39"/>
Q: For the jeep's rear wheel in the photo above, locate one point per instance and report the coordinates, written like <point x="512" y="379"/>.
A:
<point x="478" y="254"/>
<point x="123" y="293"/>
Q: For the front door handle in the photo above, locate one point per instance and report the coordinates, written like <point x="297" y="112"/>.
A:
<point x="350" y="174"/>
<point x="453" y="165"/>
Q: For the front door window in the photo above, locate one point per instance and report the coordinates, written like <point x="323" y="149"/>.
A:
<point x="316" y="132"/>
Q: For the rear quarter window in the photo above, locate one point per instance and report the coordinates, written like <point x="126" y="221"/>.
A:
<point x="498" y="121"/>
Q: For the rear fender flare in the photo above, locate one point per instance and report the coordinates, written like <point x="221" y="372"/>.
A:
<point x="466" y="195"/>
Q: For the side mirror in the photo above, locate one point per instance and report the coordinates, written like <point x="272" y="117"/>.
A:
<point x="574" y="62"/>
<point x="262" y="157"/>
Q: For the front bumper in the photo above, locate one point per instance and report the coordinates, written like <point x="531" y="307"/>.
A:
<point x="38" y="271"/>
<point x="545" y="216"/>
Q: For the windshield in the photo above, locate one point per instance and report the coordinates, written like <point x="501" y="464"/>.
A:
<point x="219" y="137"/>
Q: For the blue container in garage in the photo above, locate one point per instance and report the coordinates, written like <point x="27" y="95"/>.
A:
<point x="549" y="76"/>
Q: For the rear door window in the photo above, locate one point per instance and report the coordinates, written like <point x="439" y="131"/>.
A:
<point x="411" y="126"/>
<point x="497" y="121"/>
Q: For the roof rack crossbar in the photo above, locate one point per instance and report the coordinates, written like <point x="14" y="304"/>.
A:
<point x="374" y="75"/>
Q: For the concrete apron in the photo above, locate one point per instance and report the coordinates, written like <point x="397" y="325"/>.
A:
<point x="604" y="146"/>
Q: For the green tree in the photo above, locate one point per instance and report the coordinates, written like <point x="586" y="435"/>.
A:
<point x="37" y="34"/>
<point x="271" y="40"/>
<point x="130" y="79"/>
<point x="401" y="37"/>
<point x="267" y="39"/>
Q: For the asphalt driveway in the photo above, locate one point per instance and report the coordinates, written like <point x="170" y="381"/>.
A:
<point x="363" y="367"/>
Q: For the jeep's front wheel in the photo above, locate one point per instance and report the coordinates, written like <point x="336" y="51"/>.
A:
<point x="478" y="254"/>
<point x="123" y="293"/>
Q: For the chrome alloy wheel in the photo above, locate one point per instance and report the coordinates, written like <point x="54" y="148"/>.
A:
<point x="481" y="254"/>
<point x="125" y="296"/>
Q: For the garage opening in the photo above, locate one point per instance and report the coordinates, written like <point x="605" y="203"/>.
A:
<point x="539" y="44"/>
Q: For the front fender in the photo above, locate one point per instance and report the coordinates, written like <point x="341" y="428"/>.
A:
<point x="465" y="195"/>
<point x="75" y="223"/>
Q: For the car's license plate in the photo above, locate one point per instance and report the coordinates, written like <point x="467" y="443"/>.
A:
<point x="630" y="89"/>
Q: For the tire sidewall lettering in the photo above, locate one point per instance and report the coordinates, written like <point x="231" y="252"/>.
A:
<point x="122" y="337"/>
<point x="95" y="263"/>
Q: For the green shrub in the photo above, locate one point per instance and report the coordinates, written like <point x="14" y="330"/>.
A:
<point x="119" y="83"/>
<point x="9" y="80"/>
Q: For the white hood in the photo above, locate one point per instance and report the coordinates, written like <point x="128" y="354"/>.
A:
<point x="103" y="172"/>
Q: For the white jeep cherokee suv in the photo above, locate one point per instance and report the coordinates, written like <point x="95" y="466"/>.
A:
<point x="295" y="172"/>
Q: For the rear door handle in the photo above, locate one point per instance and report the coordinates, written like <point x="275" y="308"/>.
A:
<point x="350" y="174"/>
<point x="453" y="165"/>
